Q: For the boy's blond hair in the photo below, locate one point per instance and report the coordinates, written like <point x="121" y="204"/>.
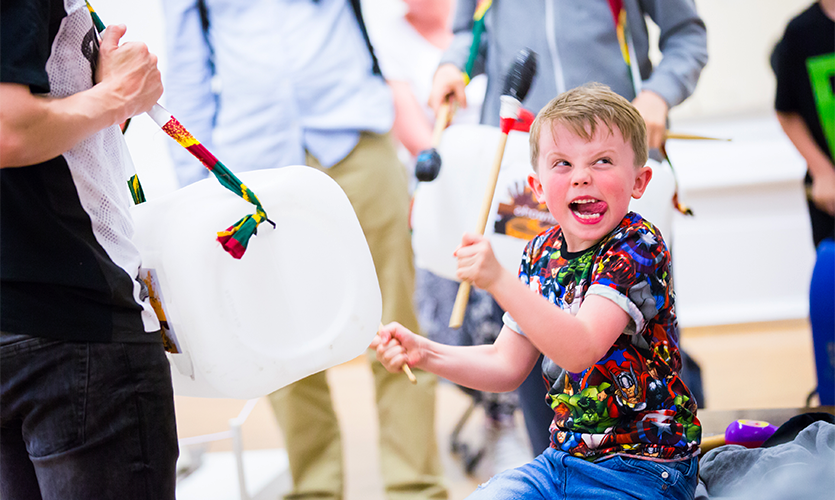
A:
<point x="583" y="109"/>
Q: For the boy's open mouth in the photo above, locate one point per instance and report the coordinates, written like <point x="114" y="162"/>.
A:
<point x="588" y="209"/>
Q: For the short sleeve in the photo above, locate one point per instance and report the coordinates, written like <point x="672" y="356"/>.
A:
<point x="788" y="67"/>
<point x="511" y="323"/>
<point x="532" y="249"/>
<point x="25" y="42"/>
<point x="632" y="272"/>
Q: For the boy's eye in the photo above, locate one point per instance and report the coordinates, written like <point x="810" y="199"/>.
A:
<point x="561" y="163"/>
<point x="607" y="161"/>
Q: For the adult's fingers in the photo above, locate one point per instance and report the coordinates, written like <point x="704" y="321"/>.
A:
<point x="447" y="82"/>
<point x="111" y="36"/>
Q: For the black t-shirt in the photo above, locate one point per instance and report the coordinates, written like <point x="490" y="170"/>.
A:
<point x="67" y="264"/>
<point x="804" y="63"/>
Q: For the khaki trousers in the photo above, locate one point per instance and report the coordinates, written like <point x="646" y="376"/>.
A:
<point x="376" y="185"/>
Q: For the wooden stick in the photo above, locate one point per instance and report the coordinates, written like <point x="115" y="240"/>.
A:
<point x="711" y="442"/>
<point x="676" y="135"/>
<point x="457" y="317"/>
<point x="409" y="374"/>
<point x="406" y="369"/>
<point x="441" y="121"/>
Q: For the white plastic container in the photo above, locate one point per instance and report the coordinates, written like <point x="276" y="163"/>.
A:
<point x="303" y="298"/>
<point x="447" y="207"/>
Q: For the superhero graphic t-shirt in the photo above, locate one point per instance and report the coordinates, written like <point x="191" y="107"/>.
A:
<point x="632" y="401"/>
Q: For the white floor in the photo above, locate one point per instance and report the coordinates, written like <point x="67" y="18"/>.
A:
<point x="266" y="476"/>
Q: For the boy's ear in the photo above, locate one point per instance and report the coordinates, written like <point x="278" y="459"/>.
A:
<point x="642" y="178"/>
<point x="536" y="187"/>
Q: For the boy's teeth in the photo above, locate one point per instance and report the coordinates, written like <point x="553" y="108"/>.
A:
<point x="587" y="216"/>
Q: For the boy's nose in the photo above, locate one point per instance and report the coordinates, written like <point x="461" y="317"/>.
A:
<point x="581" y="177"/>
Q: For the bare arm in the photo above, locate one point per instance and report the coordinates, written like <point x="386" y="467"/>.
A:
<point x="573" y="342"/>
<point x="820" y="166"/>
<point x="128" y="83"/>
<point x="497" y="367"/>
<point x="410" y="125"/>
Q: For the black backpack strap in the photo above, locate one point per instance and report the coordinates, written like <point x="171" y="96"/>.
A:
<point x="203" y="10"/>
<point x="355" y="4"/>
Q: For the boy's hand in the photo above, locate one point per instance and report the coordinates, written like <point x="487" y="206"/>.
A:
<point x="476" y="261"/>
<point x="396" y="345"/>
<point x="129" y="72"/>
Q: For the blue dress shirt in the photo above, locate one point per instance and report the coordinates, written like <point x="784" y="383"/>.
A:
<point x="270" y="79"/>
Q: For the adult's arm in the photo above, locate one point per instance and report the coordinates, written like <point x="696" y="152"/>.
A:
<point x="821" y="168"/>
<point x="410" y="125"/>
<point x="188" y="83"/>
<point x="35" y="128"/>
<point x="683" y="44"/>
<point x="458" y="51"/>
<point x="448" y="78"/>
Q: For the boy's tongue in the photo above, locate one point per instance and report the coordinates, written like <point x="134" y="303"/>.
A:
<point x="596" y="207"/>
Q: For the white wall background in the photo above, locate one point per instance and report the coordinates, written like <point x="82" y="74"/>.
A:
<point x="738" y="78"/>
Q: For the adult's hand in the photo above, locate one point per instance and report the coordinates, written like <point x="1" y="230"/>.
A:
<point x="823" y="190"/>
<point x="653" y="109"/>
<point x="129" y="73"/>
<point x="448" y="81"/>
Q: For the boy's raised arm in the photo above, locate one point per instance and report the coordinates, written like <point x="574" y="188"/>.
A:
<point x="573" y="342"/>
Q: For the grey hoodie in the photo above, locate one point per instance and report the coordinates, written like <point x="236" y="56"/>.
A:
<point x="576" y="43"/>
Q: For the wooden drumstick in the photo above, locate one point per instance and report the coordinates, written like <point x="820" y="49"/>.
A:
<point x="676" y="135"/>
<point x="441" y="121"/>
<point x="428" y="163"/>
<point x="409" y="374"/>
<point x="517" y="84"/>
<point x="463" y="296"/>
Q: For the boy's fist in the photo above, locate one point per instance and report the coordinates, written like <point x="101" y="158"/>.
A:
<point x="397" y="346"/>
<point x="476" y="261"/>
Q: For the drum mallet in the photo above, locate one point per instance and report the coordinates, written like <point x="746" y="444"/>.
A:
<point x="428" y="163"/>
<point x="747" y="433"/>
<point x="516" y="86"/>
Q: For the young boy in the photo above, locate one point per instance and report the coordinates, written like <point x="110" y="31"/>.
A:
<point x="595" y="296"/>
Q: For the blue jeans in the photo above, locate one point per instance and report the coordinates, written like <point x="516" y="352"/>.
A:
<point x="86" y="420"/>
<point x="555" y="475"/>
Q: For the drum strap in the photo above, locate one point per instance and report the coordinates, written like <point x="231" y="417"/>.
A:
<point x="627" y="49"/>
<point x="236" y="237"/>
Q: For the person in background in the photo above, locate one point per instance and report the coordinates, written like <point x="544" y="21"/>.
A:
<point x="577" y="43"/>
<point x="272" y="83"/>
<point x="804" y="63"/>
<point x="86" y="402"/>
<point x="409" y="48"/>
